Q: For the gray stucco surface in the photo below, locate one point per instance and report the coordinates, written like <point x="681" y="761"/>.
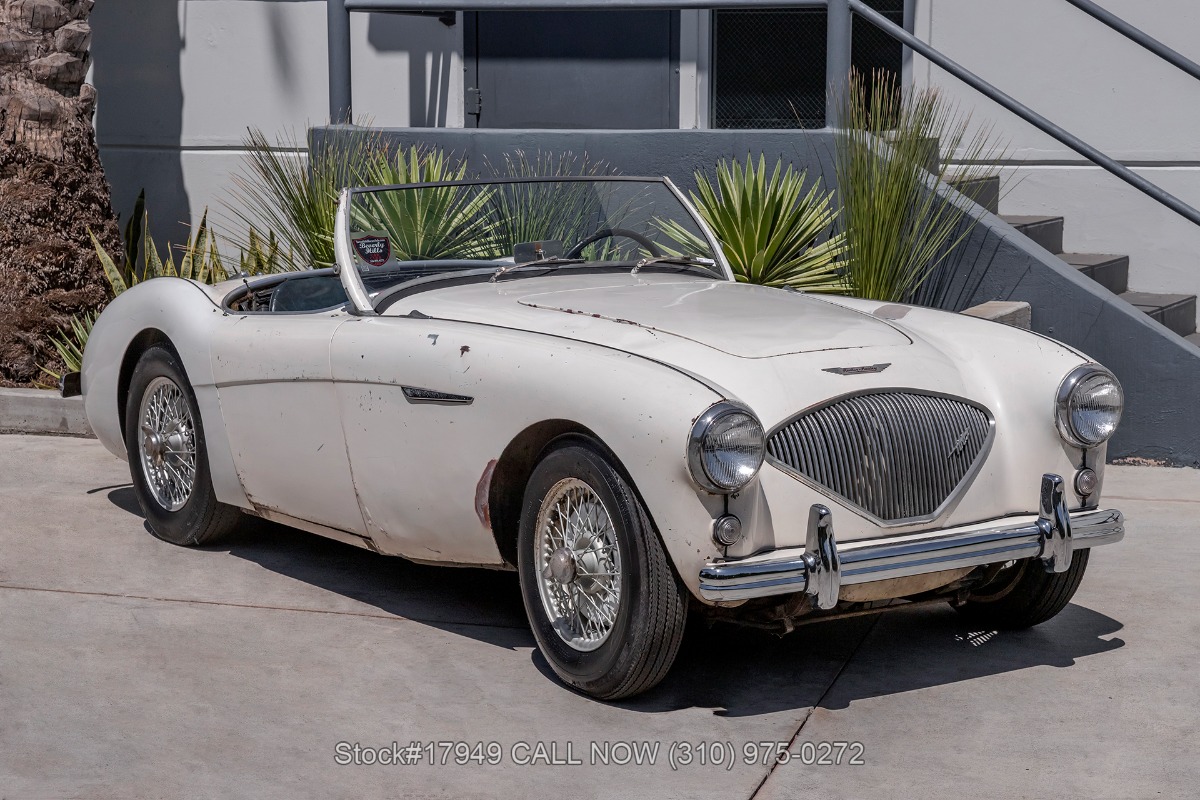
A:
<point x="1159" y="370"/>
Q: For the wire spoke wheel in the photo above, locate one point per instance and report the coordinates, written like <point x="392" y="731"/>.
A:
<point x="578" y="564"/>
<point x="167" y="443"/>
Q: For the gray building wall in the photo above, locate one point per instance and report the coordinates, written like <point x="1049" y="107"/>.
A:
<point x="179" y="81"/>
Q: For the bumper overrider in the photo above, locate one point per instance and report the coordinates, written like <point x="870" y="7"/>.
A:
<point x="823" y="566"/>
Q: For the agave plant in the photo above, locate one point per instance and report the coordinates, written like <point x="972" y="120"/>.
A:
<point x="442" y="222"/>
<point x="898" y="227"/>
<point x="200" y="260"/>
<point x="295" y="196"/>
<point x="772" y="231"/>
<point x="69" y="344"/>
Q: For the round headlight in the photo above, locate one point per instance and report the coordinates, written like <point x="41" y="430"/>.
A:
<point x="726" y="448"/>
<point x="1089" y="406"/>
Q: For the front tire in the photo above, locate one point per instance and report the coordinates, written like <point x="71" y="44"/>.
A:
<point x="1024" y="594"/>
<point x="604" y="604"/>
<point x="167" y="458"/>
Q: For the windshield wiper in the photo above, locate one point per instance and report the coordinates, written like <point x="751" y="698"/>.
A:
<point x="683" y="261"/>
<point x="541" y="262"/>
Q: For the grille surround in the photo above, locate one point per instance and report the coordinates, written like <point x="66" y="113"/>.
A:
<point x="892" y="455"/>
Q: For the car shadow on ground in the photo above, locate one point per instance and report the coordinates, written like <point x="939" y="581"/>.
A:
<point x="479" y="603"/>
<point x="734" y="671"/>
<point x="831" y="664"/>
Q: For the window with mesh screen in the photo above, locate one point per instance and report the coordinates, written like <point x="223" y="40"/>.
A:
<point x="769" y="66"/>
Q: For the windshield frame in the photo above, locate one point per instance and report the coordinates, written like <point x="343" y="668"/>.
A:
<point x="356" y="290"/>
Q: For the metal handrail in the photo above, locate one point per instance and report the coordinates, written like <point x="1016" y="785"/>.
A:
<point x="837" y="65"/>
<point x="1139" y="36"/>
<point x="1152" y="190"/>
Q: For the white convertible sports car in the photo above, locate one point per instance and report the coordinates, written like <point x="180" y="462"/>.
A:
<point x="561" y="376"/>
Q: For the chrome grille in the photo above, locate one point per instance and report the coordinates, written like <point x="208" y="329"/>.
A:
<point x="896" y="455"/>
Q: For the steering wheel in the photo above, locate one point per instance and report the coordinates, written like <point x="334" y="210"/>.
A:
<point x="611" y="233"/>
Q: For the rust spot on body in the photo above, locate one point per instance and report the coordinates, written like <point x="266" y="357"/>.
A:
<point x="462" y="351"/>
<point x="482" y="491"/>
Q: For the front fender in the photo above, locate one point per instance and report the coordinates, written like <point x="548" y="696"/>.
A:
<point x="183" y="313"/>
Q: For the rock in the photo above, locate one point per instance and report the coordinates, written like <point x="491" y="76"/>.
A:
<point x="43" y="107"/>
<point x="16" y="49"/>
<point x="74" y="37"/>
<point x="45" y="15"/>
<point x="59" y="70"/>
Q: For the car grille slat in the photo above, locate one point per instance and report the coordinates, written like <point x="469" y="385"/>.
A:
<point x="896" y="455"/>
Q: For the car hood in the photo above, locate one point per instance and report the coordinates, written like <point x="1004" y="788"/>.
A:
<point x="628" y="312"/>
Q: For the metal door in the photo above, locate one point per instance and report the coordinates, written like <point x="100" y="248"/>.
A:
<point x="572" y="69"/>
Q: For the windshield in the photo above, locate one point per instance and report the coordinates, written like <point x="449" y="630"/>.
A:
<point x="504" y="225"/>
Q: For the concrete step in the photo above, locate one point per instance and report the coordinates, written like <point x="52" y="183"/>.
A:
<point x="1110" y="271"/>
<point x="1176" y="311"/>
<point x="1194" y="338"/>
<point x="985" y="191"/>
<point x="1045" y="231"/>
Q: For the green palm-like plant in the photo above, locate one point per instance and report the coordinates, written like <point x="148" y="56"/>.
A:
<point x="772" y="231"/>
<point x="294" y="196"/>
<point x="430" y="223"/>
<point x="898" y="226"/>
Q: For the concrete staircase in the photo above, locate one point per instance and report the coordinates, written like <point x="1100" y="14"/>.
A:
<point x="1175" y="311"/>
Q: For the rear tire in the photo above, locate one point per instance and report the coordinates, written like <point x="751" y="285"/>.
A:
<point x="605" y="606"/>
<point x="167" y="458"/>
<point x="1025" y="594"/>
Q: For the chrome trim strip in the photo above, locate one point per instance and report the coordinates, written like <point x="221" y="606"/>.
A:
<point x="822" y="566"/>
<point x="415" y="394"/>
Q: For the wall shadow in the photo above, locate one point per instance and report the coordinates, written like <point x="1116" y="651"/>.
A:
<point x="136" y="49"/>
<point x="429" y="66"/>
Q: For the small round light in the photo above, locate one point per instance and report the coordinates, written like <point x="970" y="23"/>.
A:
<point x="727" y="530"/>
<point x="1089" y="405"/>
<point x="726" y="448"/>
<point x="1086" y="481"/>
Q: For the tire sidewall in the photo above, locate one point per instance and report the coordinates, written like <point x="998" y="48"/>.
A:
<point x="178" y="527"/>
<point x="584" y="670"/>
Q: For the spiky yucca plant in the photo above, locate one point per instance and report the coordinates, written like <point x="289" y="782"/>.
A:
<point x="295" y="195"/>
<point x="898" y="227"/>
<point x="563" y="211"/>
<point x="443" y="222"/>
<point x="772" y="231"/>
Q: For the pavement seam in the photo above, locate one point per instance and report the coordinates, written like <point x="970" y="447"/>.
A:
<point x="259" y="607"/>
<point x="1150" y="499"/>
<point x="817" y="704"/>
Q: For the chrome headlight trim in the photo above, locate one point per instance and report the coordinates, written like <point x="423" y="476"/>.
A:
<point x="1062" y="403"/>
<point x="695" y="449"/>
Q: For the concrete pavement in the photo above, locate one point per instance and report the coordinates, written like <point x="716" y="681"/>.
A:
<point x="133" y="669"/>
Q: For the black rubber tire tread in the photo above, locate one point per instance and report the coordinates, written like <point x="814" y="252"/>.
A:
<point x="1035" y="595"/>
<point x="651" y="619"/>
<point x="203" y="519"/>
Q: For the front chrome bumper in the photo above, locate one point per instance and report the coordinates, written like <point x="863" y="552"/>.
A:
<point x="823" y="566"/>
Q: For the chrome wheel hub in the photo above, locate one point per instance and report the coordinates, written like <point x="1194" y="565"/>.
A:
<point x="579" y="564"/>
<point x="167" y="444"/>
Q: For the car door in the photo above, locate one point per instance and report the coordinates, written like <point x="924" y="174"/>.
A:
<point x="421" y="446"/>
<point x="280" y="409"/>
